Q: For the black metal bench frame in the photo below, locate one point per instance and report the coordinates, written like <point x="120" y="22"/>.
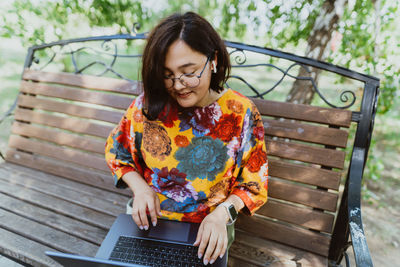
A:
<point x="349" y="216"/>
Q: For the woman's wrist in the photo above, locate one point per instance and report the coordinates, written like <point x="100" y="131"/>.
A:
<point x="236" y="201"/>
<point x="222" y="214"/>
<point x="134" y="181"/>
<point x="223" y="211"/>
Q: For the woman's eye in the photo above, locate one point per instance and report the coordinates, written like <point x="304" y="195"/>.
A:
<point x="190" y="74"/>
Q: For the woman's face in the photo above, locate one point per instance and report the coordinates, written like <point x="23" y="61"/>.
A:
<point x="181" y="59"/>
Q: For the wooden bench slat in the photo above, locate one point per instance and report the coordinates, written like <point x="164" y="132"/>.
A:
<point x="240" y="255"/>
<point x="60" y="138"/>
<point x="309" y="154"/>
<point x="57" y="152"/>
<point x="96" y="179"/>
<point x="329" y="116"/>
<point x="70" y="109"/>
<point x="84" y="81"/>
<point x="305" y="132"/>
<point x="304" y="174"/>
<point x="280" y="252"/>
<point x="79" y="198"/>
<point x="65" y="183"/>
<point x="291" y="235"/>
<point x="302" y="195"/>
<point x="57" y="205"/>
<point x="54" y="220"/>
<point x="70" y="124"/>
<point x="87" y="96"/>
<point x="235" y="261"/>
<point x="15" y="246"/>
<point x="307" y="218"/>
<point x="45" y="234"/>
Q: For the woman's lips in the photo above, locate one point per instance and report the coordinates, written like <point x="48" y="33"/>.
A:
<point x="183" y="95"/>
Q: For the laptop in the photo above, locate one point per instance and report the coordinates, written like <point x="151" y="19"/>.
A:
<point x="167" y="244"/>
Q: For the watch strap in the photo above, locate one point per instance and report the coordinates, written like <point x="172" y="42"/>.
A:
<point x="231" y="210"/>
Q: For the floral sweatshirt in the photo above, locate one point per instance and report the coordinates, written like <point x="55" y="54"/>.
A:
<point x="194" y="158"/>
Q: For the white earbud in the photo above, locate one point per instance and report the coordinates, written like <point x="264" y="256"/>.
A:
<point x="214" y="67"/>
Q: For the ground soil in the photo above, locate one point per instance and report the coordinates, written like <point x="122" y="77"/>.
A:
<point x="381" y="218"/>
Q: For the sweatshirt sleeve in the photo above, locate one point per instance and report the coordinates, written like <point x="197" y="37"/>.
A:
<point x="251" y="184"/>
<point x="121" y="153"/>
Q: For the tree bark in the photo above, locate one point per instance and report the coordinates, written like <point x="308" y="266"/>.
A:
<point x="332" y="10"/>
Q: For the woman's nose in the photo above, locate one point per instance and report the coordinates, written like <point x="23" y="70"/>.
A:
<point x="178" y="84"/>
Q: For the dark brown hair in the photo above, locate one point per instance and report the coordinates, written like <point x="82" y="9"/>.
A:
<point x="198" y="34"/>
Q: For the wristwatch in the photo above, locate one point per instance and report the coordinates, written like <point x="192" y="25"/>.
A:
<point x="232" y="213"/>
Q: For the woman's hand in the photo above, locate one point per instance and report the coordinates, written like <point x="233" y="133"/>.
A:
<point x="145" y="199"/>
<point x="212" y="234"/>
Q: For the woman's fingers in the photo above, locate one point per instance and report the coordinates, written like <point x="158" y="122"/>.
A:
<point x="219" y="248"/>
<point x="205" y="236"/>
<point x="157" y="205"/>
<point x="142" y="204"/>
<point x="136" y="217"/>
<point x="143" y="217"/>
<point x="225" y="246"/>
<point x="198" y="238"/>
<point x="139" y="215"/>
<point x="213" y="239"/>
<point x="152" y="211"/>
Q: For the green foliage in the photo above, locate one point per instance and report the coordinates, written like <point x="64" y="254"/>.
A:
<point x="291" y="23"/>
<point x="277" y="24"/>
<point x="376" y="166"/>
<point x="370" y="50"/>
<point x="372" y="172"/>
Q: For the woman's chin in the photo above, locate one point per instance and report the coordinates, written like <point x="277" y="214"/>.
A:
<point x="186" y="102"/>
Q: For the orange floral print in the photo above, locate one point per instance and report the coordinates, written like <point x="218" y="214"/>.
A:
<point x="181" y="141"/>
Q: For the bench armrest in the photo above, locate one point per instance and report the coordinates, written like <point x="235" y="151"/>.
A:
<point x="359" y="242"/>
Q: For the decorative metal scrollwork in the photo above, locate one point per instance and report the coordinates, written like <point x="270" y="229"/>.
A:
<point x="108" y="54"/>
<point x="241" y="59"/>
<point x="108" y="49"/>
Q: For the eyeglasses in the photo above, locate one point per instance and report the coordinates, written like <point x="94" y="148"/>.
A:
<point x="187" y="79"/>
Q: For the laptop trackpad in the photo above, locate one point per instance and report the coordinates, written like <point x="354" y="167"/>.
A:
<point x="170" y="230"/>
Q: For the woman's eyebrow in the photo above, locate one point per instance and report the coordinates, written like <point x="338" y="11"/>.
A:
<point x="186" y="65"/>
<point x="182" y="66"/>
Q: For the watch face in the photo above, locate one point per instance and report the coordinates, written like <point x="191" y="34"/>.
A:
<point x="233" y="212"/>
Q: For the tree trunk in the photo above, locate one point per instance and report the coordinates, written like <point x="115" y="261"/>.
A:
<point x="332" y="10"/>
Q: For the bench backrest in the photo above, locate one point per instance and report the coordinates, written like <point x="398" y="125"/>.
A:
<point x="62" y="120"/>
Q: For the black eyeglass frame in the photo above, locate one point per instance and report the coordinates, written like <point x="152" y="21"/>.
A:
<point x="189" y="75"/>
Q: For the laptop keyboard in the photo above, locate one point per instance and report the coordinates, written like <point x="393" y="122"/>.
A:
<point x="151" y="253"/>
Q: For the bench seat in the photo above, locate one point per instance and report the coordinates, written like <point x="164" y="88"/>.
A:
<point x="41" y="211"/>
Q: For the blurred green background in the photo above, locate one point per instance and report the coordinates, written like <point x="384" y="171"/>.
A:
<point x="363" y="37"/>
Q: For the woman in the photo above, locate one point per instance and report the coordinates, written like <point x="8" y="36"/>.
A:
<point x="189" y="149"/>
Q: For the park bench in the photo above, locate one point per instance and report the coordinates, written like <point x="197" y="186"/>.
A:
<point x="56" y="192"/>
